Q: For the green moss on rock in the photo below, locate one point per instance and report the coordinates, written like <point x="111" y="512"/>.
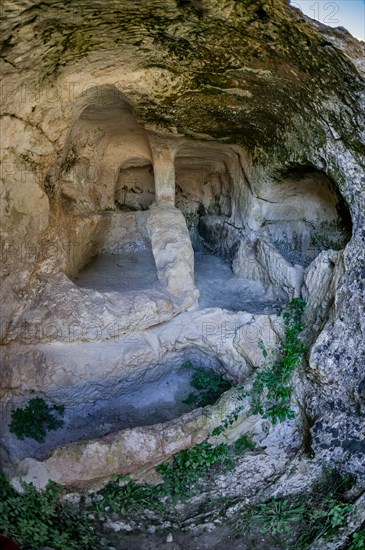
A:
<point x="245" y="71"/>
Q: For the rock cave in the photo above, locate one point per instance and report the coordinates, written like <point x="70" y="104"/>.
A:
<point x="183" y="244"/>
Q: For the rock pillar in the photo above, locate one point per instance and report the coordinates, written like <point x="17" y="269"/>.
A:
<point x="164" y="171"/>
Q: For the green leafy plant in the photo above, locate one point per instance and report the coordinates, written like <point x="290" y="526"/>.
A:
<point x="186" y="467"/>
<point x="326" y="508"/>
<point x="358" y="540"/>
<point x="337" y="513"/>
<point x="284" y="516"/>
<point x="243" y="443"/>
<point x="303" y="519"/>
<point x="36" y="419"/>
<point x="324" y="520"/>
<point x="278" y="516"/>
<point x="124" y="496"/>
<point x="210" y="384"/>
<point x="272" y="388"/>
<point x="37" y="518"/>
<point x="180" y="478"/>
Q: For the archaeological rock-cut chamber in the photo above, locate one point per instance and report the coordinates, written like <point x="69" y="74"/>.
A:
<point x="174" y="175"/>
<point x="158" y="229"/>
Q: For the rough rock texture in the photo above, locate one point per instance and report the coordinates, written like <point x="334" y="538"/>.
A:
<point x="173" y="252"/>
<point x="247" y="111"/>
<point x="86" y="464"/>
<point x="76" y="371"/>
<point x="262" y="261"/>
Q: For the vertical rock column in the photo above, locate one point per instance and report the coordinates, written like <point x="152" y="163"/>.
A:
<point x="170" y="239"/>
<point x="164" y="171"/>
<point x="173" y="253"/>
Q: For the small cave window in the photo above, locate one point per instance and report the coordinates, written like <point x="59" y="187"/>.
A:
<point x="135" y="188"/>
<point x="304" y="214"/>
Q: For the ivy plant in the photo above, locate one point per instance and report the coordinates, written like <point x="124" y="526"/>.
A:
<point x="272" y="389"/>
<point x="36" y="519"/>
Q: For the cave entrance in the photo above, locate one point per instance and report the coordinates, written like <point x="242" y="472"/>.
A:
<point x="203" y="194"/>
<point x="303" y="213"/>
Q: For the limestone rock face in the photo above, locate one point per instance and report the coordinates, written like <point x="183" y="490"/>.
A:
<point x="64" y="370"/>
<point x="264" y="262"/>
<point x="262" y="330"/>
<point x="232" y="127"/>
<point x="88" y="464"/>
<point x="321" y="279"/>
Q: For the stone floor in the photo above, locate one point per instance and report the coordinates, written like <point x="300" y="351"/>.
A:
<point x="220" y="538"/>
<point x="135" y="270"/>
<point x="217" y="284"/>
<point x="219" y="287"/>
